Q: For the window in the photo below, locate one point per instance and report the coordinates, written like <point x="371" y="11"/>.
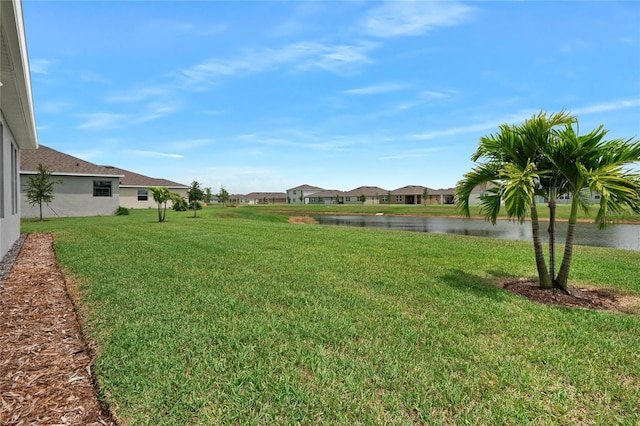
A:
<point x="385" y="199"/>
<point x="1" y="171"/>
<point x="398" y="198"/>
<point x="312" y="199"/>
<point x="347" y="199"/>
<point x="143" y="195"/>
<point x="102" y="188"/>
<point x="14" y="179"/>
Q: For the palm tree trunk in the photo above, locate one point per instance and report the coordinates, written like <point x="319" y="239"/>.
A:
<point x="563" y="275"/>
<point x="160" y="212"/>
<point x="552" y="234"/>
<point x="543" y="274"/>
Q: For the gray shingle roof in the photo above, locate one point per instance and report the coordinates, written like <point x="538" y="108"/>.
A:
<point x="368" y="191"/>
<point x="60" y="163"/>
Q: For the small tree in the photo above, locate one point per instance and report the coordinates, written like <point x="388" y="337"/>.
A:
<point x="425" y="195"/>
<point x="362" y="198"/>
<point x="223" y="196"/>
<point x="195" y="194"/>
<point x="208" y="195"/>
<point x="40" y="188"/>
<point x="161" y="196"/>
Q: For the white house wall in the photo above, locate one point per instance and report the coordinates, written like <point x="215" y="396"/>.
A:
<point x="72" y="197"/>
<point x="129" y="198"/>
<point x="9" y="203"/>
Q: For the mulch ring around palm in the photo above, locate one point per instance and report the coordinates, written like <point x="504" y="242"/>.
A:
<point x="579" y="297"/>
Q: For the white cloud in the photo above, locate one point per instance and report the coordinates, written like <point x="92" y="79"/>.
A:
<point x="299" y="56"/>
<point x="411" y="18"/>
<point x="138" y="95"/>
<point x="189" y="144"/>
<point x="87" y="155"/>
<point x="101" y="120"/>
<point x="40" y="66"/>
<point x="154" y="111"/>
<point x="607" y="106"/>
<point x="376" y="89"/>
<point x="142" y="153"/>
<point x="420" y="153"/>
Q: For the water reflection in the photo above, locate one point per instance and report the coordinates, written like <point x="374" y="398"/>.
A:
<point x="620" y="236"/>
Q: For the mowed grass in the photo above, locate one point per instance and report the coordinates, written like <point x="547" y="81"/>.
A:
<point x="238" y="317"/>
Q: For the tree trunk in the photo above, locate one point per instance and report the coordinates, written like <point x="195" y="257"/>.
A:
<point x="160" y="219"/>
<point x="40" y="211"/>
<point x="543" y="274"/>
<point x="563" y="275"/>
<point x="552" y="234"/>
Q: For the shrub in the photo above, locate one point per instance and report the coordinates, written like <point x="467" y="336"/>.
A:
<point x="198" y="205"/>
<point x="122" y="211"/>
<point x="180" y="205"/>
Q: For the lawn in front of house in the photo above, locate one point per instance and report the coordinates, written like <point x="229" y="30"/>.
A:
<point x="240" y="317"/>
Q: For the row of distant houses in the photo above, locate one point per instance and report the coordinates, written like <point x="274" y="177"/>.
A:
<point x="308" y="194"/>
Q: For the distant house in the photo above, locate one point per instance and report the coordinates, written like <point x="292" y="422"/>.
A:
<point x="134" y="188"/>
<point x="85" y="189"/>
<point x="326" y="196"/>
<point x="442" y="196"/>
<point x="410" y="194"/>
<point x="17" y="120"/>
<point x="298" y="195"/>
<point x="365" y="195"/>
<point x="266" y="198"/>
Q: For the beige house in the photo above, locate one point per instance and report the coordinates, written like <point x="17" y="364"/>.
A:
<point x="81" y="189"/>
<point x="134" y="189"/>
<point x="365" y="195"/>
<point x="326" y="196"/>
<point x="299" y="194"/>
<point x="410" y="194"/>
<point x="17" y="119"/>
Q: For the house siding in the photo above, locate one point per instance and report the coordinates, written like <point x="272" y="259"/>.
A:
<point x="72" y="197"/>
<point x="9" y="207"/>
<point x="129" y="197"/>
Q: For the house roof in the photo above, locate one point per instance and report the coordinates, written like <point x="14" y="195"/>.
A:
<point x="305" y="187"/>
<point x="263" y="195"/>
<point x="60" y="163"/>
<point x="133" y="179"/>
<point x="368" y="191"/>
<point x="411" y="190"/>
<point x="16" y="101"/>
<point x="445" y="191"/>
<point x="327" y="193"/>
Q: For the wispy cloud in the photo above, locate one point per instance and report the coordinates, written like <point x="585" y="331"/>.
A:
<point x="40" y="66"/>
<point x="474" y="128"/>
<point x="189" y="144"/>
<point x="139" y="94"/>
<point x="607" y="106"/>
<point x="154" y="111"/>
<point x="101" y="120"/>
<point x="142" y="153"/>
<point x="416" y="153"/>
<point x="87" y="155"/>
<point x="302" y="56"/>
<point x="376" y="89"/>
<point x="412" y="18"/>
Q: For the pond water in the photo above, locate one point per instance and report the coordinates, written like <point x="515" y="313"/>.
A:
<point x="621" y="236"/>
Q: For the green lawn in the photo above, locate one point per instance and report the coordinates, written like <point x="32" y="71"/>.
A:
<point x="238" y="317"/>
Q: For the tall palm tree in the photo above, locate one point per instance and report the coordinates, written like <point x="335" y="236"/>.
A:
<point x="511" y="167"/>
<point x="588" y="163"/>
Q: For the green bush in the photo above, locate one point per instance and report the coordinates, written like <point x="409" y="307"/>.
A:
<point x="122" y="211"/>
<point x="180" y="205"/>
<point x="198" y="205"/>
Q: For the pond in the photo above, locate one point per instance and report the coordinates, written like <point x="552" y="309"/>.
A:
<point x="621" y="236"/>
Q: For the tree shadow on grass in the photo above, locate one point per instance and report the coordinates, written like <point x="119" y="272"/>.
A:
<point x="474" y="285"/>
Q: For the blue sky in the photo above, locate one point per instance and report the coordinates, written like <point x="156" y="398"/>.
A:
<point x="265" y="96"/>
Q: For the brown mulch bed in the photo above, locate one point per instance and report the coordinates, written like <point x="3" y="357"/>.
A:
<point x="579" y="297"/>
<point x="45" y="365"/>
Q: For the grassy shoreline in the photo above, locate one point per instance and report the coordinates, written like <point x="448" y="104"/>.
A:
<point x="240" y="317"/>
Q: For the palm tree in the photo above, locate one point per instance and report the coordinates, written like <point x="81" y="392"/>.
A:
<point x="161" y="196"/>
<point x="512" y="169"/>
<point x="588" y="163"/>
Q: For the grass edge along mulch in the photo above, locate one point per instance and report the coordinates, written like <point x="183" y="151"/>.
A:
<point x="45" y="364"/>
